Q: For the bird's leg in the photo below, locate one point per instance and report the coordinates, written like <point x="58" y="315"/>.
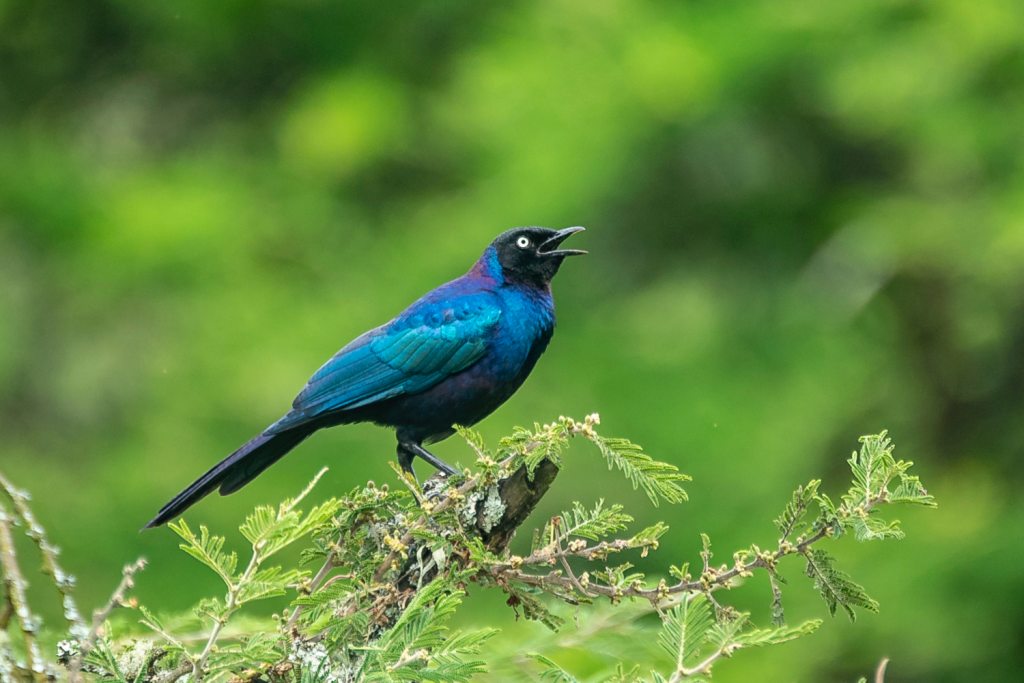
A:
<point x="405" y="456"/>
<point x="410" y="448"/>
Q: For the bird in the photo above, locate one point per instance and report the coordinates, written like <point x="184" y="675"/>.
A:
<point x="450" y="358"/>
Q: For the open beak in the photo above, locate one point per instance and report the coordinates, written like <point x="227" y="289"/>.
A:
<point x="550" y="246"/>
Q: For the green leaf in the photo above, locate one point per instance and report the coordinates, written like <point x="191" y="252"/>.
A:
<point x="872" y="528"/>
<point x="591" y="524"/>
<point x="150" y="620"/>
<point x="419" y="646"/>
<point x="648" y="536"/>
<point x="269" y="583"/>
<point x="270" y="530"/>
<point x="797" y="507"/>
<point x="475" y="440"/>
<point x="101" y="657"/>
<point x="780" y="634"/>
<point x="874" y="468"/>
<point x="534" y="447"/>
<point x="210" y="608"/>
<point x="871" y="468"/>
<point x="659" y="480"/>
<point x="828" y="512"/>
<point x="685" y="629"/>
<point x="207" y="549"/>
<point x="260" y="523"/>
<point x="525" y="598"/>
<point x="705" y="549"/>
<point x="835" y="585"/>
<point x="552" y="671"/>
<point x="910" y="490"/>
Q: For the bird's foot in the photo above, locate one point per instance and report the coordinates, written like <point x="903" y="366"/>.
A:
<point x="407" y="450"/>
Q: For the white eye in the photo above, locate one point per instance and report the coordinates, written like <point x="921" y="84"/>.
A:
<point x="523" y="242"/>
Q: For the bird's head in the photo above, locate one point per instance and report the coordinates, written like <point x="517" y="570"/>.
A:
<point x="531" y="255"/>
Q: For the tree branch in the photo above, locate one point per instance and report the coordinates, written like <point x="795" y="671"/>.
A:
<point x="711" y="578"/>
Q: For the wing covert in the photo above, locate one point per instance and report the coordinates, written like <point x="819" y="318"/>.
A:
<point x="410" y="354"/>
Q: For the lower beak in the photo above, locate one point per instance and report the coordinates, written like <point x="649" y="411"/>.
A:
<point x="550" y="246"/>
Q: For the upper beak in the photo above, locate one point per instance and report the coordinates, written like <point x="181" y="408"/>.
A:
<point x="550" y="246"/>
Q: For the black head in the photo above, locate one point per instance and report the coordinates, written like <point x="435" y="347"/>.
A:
<point x="531" y="255"/>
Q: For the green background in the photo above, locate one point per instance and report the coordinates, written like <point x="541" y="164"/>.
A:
<point x="806" y="222"/>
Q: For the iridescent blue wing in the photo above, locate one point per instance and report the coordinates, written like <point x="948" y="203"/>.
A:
<point x="415" y="351"/>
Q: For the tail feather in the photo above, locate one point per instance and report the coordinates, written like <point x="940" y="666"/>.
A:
<point x="234" y="471"/>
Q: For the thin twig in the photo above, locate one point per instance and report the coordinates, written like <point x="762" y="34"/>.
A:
<point x="231" y="602"/>
<point x="62" y="581"/>
<point x="314" y="585"/>
<point x="701" y="667"/>
<point x="16" y="587"/>
<point x="880" y="672"/>
<point x="710" y="580"/>
<point x="569" y="573"/>
<point x="230" y="605"/>
<point x="119" y="598"/>
<point x="6" y="612"/>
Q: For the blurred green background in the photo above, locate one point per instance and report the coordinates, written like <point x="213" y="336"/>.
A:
<point x="806" y="222"/>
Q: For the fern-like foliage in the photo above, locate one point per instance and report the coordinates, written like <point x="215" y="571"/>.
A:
<point x="879" y="479"/>
<point x="693" y="638"/>
<point x="579" y="522"/>
<point x="552" y="672"/>
<point x="419" y="646"/>
<point x="268" y="530"/>
<point x="661" y="481"/>
<point x="384" y="570"/>
<point x="876" y="470"/>
<point x="836" y="586"/>
<point x="207" y="549"/>
<point x="797" y="508"/>
<point x="701" y="638"/>
<point x="686" y="629"/>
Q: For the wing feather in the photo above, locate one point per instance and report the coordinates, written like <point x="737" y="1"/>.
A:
<point x="412" y="353"/>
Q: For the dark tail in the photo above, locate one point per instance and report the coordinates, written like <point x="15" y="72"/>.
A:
<point x="234" y="471"/>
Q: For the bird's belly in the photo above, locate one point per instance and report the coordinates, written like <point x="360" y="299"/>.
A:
<point x="464" y="398"/>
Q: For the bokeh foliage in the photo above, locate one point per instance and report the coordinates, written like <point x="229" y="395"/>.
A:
<point x="806" y="222"/>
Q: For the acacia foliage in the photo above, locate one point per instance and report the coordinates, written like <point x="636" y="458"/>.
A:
<point x="380" y="572"/>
